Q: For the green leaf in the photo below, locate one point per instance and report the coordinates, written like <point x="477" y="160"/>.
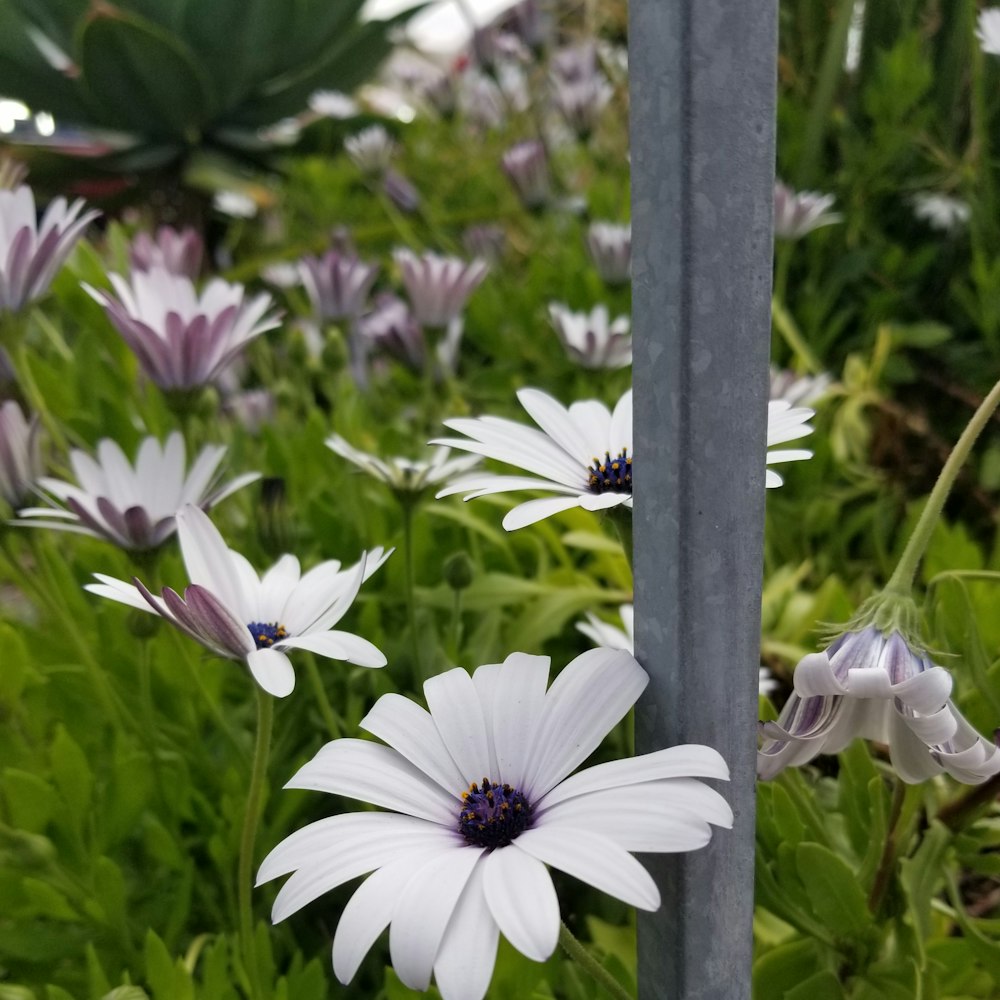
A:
<point x="142" y="79"/>
<point x="71" y="773"/>
<point x="834" y="893"/>
<point x="30" y="800"/>
<point x="822" y="986"/>
<point x="780" y="969"/>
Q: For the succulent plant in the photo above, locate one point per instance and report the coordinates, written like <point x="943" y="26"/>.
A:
<point x="175" y="77"/>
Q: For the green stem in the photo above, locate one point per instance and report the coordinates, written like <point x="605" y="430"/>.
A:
<point x="325" y="708"/>
<point x="265" y="719"/>
<point x="621" y="518"/>
<point x="411" y="591"/>
<point x="901" y="581"/>
<point x="590" y="965"/>
<point x="785" y="325"/>
<point x="887" y="862"/>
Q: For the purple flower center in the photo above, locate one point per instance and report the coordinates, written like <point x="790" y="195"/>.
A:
<point x="266" y="634"/>
<point x="493" y="815"/>
<point x="612" y="474"/>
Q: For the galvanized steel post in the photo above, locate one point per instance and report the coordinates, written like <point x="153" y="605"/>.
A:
<point x="702" y="146"/>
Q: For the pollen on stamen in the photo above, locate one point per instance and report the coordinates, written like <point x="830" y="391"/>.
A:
<point x="266" y="634"/>
<point x="612" y="475"/>
<point x="494" y="815"/>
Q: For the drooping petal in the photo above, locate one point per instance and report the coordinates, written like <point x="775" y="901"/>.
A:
<point x="338" y="646"/>
<point x="522" y="900"/>
<point x="273" y="671"/>
<point x="464" y="964"/>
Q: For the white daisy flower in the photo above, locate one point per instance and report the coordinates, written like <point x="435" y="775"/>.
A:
<point x="482" y="806"/>
<point x="239" y="615"/>
<point x="405" y="475"/>
<point x="20" y="456"/>
<point x="873" y="685"/>
<point x="603" y="633"/>
<point x="371" y="150"/>
<point x="797" y="213"/>
<point x="799" y="390"/>
<point x="132" y="506"/>
<point x="988" y="31"/>
<point x="610" y="247"/>
<point x="591" y="339"/>
<point x="941" y="211"/>
<point x="785" y="423"/>
<point x="565" y="456"/>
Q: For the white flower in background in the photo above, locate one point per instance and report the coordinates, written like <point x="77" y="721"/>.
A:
<point x="603" y="633"/>
<point x="240" y="616"/>
<point x="371" y="150"/>
<point x="438" y="287"/>
<point x="797" y="213"/>
<point x="988" y="31"/>
<point x="20" y="458"/>
<point x="785" y="423"/>
<point x="873" y="685"/>
<point x="333" y="104"/>
<point x="581" y="102"/>
<point x="405" y="475"/>
<point x="610" y="248"/>
<point x="798" y="390"/>
<point x="252" y="408"/>
<point x="390" y="327"/>
<point x="133" y="506"/>
<point x="176" y="251"/>
<point x="941" y="211"/>
<point x="282" y="274"/>
<point x="526" y="165"/>
<point x="482" y="805"/>
<point x="183" y="339"/>
<point x="337" y="284"/>
<point x="564" y="457"/>
<point x="32" y="252"/>
<point x="590" y="340"/>
<point x="235" y="204"/>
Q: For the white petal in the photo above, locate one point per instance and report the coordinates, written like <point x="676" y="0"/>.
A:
<point x="690" y="760"/>
<point x="522" y="899"/>
<point x="593" y="859"/>
<point x="406" y="727"/>
<point x="536" y="510"/>
<point x="621" y="425"/>
<point x="338" y="646"/>
<point x="206" y="557"/>
<point x="464" y="964"/>
<point x="454" y="706"/>
<point x="423" y="912"/>
<point x="370" y="909"/>
<point x="517" y="709"/>
<point x="591" y="695"/>
<point x="118" y="590"/>
<point x="272" y="670"/>
<point x="275" y="587"/>
<point x="555" y="420"/>
<point x="361" y="769"/>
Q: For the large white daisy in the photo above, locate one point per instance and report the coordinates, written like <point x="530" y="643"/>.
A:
<point x="239" y="615"/>
<point x="482" y="806"/>
<point x="583" y="454"/>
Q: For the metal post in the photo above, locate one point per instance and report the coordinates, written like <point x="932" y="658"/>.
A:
<point x="702" y="144"/>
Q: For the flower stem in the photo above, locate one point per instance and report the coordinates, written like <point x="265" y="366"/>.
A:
<point x="590" y="965"/>
<point x="901" y="581"/>
<point x="411" y="591"/>
<point x="899" y="816"/>
<point x="265" y="719"/>
<point x="621" y="518"/>
<point x="793" y="337"/>
<point x="322" y="701"/>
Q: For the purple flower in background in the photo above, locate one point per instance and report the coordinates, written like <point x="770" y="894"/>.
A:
<point x="797" y="213"/>
<point x="133" y="506"/>
<point x="610" y="248"/>
<point x="20" y="458"/>
<point x="390" y="327"/>
<point x="177" y="251"/>
<point x="486" y="241"/>
<point x="581" y="102"/>
<point x="400" y="191"/>
<point x="337" y="284"/>
<point x="590" y="339"/>
<point x="438" y="287"/>
<point x="874" y="685"/>
<point x="183" y="339"/>
<point x="32" y="252"/>
<point x="238" y="615"/>
<point x="526" y="165"/>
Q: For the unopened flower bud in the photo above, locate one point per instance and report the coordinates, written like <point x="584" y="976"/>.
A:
<point x="459" y="571"/>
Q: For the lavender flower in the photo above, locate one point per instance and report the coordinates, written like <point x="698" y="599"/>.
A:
<point x="485" y="241"/>
<point x="337" y="284"/>
<point x="177" y="251"/>
<point x="371" y="150"/>
<point x="581" y="102"/>
<point x="390" y="327"/>
<point x="183" y="340"/>
<point x="610" y="247"/>
<point x="32" y="252"/>
<point x="526" y="165"/>
<point x="20" y="459"/>
<point x="438" y="287"/>
<point x="400" y="191"/>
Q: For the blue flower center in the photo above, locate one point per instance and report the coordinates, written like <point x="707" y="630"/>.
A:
<point x="493" y="815"/>
<point x="266" y="634"/>
<point x="612" y="475"/>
